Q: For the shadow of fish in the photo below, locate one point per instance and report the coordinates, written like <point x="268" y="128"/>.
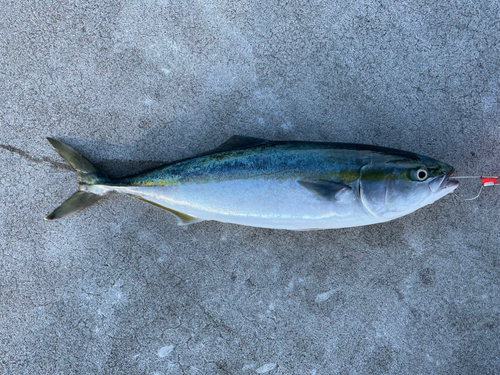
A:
<point x="270" y="184"/>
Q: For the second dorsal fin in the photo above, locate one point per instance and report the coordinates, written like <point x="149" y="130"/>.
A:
<point x="236" y="142"/>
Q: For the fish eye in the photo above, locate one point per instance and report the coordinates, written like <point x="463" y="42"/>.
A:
<point x="421" y="174"/>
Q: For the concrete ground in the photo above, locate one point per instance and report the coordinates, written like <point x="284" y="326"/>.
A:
<point x="121" y="289"/>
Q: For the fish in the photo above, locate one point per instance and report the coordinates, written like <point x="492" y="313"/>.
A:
<point x="293" y="185"/>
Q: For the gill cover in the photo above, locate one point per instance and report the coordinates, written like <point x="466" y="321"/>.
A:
<point x="372" y="190"/>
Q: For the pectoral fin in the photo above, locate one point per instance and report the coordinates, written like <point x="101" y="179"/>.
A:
<point x="184" y="219"/>
<point x="324" y="189"/>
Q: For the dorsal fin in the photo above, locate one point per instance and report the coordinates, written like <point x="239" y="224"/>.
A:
<point x="184" y="219"/>
<point x="324" y="189"/>
<point x="236" y="142"/>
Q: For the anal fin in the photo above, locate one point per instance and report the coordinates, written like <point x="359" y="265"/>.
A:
<point x="184" y="219"/>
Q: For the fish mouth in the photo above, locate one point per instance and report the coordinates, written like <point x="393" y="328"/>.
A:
<point x="443" y="182"/>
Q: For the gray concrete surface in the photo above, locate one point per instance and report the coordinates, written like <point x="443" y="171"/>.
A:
<point x="121" y="289"/>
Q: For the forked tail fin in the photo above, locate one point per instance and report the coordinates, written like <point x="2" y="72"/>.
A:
<point x="88" y="174"/>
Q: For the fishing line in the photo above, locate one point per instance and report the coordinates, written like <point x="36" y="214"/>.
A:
<point x="485" y="181"/>
<point x="481" y="177"/>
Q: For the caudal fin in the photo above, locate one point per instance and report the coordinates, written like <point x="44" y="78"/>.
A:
<point x="88" y="174"/>
<point x="75" y="203"/>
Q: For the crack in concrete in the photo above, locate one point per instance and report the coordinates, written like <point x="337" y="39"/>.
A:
<point x="29" y="157"/>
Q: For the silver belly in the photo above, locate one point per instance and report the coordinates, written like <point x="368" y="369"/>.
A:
<point x="259" y="203"/>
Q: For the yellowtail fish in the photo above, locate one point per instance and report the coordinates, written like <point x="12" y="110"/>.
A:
<point x="271" y="184"/>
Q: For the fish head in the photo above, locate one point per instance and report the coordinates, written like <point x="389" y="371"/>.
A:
<point x="392" y="186"/>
